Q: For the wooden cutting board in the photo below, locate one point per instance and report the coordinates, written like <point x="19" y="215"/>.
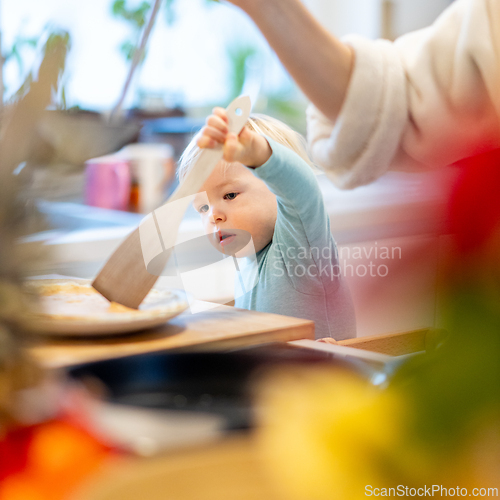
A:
<point x="220" y="327"/>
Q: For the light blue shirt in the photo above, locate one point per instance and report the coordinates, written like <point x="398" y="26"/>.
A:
<point x="298" y="271"/>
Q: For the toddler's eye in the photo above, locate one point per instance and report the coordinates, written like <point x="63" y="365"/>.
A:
<point x="230" y="196"/>
<point x="203" y="209"/>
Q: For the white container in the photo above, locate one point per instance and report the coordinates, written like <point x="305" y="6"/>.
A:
<point x="153" y="169"/>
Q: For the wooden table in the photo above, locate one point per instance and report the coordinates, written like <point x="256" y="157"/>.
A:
<point x="231" y="469"/>
<point x="220" y="327"/>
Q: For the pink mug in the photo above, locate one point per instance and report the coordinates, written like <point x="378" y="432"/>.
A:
<point x="108" y="183"/>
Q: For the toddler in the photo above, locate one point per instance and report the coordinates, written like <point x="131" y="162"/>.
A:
<point x="264" y="191"/>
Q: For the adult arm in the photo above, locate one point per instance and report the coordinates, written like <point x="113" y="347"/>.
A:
<point x="426" y="100"/>
<point x="320" y="63"/>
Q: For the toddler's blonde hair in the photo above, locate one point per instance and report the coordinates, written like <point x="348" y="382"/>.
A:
<point x="262" y="124"/>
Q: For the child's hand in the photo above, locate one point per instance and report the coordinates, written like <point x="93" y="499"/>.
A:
<point x="327" y="340"/>
<point x="248" y="148"/>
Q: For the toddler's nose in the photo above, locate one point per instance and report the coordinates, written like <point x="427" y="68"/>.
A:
<point x="217" y="215"/>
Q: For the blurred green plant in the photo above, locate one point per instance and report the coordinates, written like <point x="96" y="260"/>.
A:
<point x="284" y="104"/>
<point x="136" y="17"/>
<point x="287" y="106"/>
<point x="170" y="14"/>
<point x="238" y="59"/>
<point x="19" y="126"/>
<point x="57" y="45"/>
<point x="21" y="42"/>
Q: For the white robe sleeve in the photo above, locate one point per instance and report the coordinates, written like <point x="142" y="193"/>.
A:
<point x="428" y="99"/>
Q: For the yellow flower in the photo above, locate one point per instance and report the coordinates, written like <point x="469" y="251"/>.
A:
<point x="326" y="434"/>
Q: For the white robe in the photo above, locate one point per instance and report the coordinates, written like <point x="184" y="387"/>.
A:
<point x="428" y="99"/>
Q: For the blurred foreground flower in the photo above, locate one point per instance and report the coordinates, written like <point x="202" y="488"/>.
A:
<point x="328" y="432"/>
<point x="327" y="435"/>
<point x="47" y="461"/>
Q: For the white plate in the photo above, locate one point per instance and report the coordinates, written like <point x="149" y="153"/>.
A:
<point x="72" y="307"/>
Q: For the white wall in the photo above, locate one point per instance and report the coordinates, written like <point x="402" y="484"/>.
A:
<point x="395" y="294"/>
<point x="410" y="15"/>
<point x="342" y="18"/>
<point x="364" y="16"/>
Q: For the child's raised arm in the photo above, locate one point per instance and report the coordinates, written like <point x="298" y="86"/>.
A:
<point x="248" y="148"/>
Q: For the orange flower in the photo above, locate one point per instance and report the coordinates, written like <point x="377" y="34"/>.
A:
<point x="59" y="457"/>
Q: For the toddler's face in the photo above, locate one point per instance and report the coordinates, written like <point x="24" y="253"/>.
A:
<point x="235" y="205"/>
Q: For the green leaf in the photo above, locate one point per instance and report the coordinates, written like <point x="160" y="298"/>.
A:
<point x="169" y="12"/>
<point x="136" y="17"/>
<point x="15" y="51"/>
<point x="238" y="57"/>
<point x="127" y="48"/>
<point x="118" y="7"/>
